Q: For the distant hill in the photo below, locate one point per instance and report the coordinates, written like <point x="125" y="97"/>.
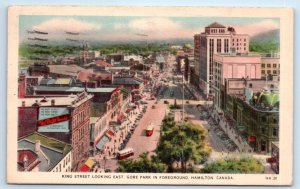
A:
<point x="272" y="36"/>
<point x="266" y="42"/>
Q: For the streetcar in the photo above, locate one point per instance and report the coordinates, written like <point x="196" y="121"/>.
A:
<point x="123" y="154"/>
<point x="149" y="130"/>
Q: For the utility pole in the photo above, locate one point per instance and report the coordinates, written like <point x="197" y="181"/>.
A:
<point x="182" y="98"/>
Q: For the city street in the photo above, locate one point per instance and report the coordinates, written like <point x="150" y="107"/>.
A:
<point x="139" y="141"/>
<point x="224" y="142"/>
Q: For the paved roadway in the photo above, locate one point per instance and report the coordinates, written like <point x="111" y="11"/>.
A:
<point x="139" y="141"/>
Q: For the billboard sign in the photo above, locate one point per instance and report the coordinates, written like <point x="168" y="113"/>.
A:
<point x="53" y="119"/>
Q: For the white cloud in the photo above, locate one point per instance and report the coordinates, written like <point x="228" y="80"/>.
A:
<point x="72" y="25"/>
<point x="152" y="28"/>
<point x="259" y="27"/>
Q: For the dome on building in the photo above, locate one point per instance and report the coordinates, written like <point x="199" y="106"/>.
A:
<point x="266" y="99"/>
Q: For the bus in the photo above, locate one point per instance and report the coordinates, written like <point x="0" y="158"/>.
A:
<point x="123" y="154"/>
<point x="149" y="130"/>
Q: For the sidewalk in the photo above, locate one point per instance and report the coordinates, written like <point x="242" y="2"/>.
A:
<point x="242" y="145"/>
<point x="194" y="91"/>
<point x="107" y="159"/>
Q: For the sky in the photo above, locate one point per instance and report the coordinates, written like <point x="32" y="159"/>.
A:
<point x="108" y="28"/>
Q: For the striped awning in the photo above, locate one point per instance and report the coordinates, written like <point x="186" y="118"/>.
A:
<point x="90" y="163"/>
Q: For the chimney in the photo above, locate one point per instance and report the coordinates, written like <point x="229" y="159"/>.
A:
<point x="53" y="102"/>
<point x="25" y="162"/>
<point x="37" y="147"/>
<point x="23" y="103"/>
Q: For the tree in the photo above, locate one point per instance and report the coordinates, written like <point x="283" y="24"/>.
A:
<point x="243" y="165"/>
<point x="182" y="143"/>
<point x="142" y="165"/>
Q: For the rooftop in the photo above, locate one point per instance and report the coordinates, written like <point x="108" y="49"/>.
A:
<point x="63" y="81"/>
<point x="70" y="100"/>
<point x="71" y="70"/>
<point x="100" y="90"/>
<point x="126" y="81"/>
<point x="90" y="75"/>
<point x="31" y="158"/>
<point x="75" y="89"/>
<point x="215" y="25"/>
<point x="51" y="152"/>
<point x="93" y="120"/>
<point x="102" y="63"/>
<point x="134" y="57"/>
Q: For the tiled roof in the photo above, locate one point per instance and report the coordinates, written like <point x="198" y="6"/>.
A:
<point x="215" y="25"/>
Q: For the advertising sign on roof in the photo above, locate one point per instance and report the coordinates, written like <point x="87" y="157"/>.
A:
<point x="53" y="120"/>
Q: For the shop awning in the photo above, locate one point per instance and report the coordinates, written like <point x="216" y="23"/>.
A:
<point x="84" y="168"/>
<point x="102" y="142"/>
<point x="110" y="133"/>
<point x="128" y="110"/>
<point x="252" y="139"/>
<point x="121" y="118"/>
<point x="90" y="163"/>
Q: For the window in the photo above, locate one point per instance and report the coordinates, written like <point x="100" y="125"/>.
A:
<point x="269" y="65"/>
<point x="269" y="71"/>
<point x="262" y="65"/>
<point x="274" y="65"/>
<point x="274" y="72"/>
<point x="218" y="45"/>
<point x="275" y="121"/>
<point x="263" y="119"/>
<point x="275" y="132"/>
<point x="263" y="130"/>
<point x="250" y="85"/>
<point x="226" y="47"/>
<point x="245" y="40"/>
<point x="244" y="48"/>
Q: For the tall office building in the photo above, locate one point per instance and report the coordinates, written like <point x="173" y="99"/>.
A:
<point x="216" y="39"/>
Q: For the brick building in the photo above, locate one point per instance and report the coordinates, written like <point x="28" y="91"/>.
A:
<point x="215" y="39"/>
<point x="270" y="65"/>
<point x="256" y="119"/>
<point x="228" y="66"/>
<point x="62" y="118"/>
